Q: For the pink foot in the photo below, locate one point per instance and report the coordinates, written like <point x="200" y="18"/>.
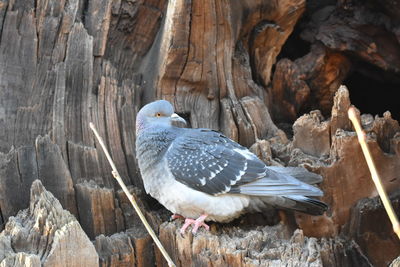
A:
<point x="197" y="223"/>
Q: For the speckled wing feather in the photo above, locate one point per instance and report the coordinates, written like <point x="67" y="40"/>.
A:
<point x="209" y="162"/>
<point x="205" y="160"/>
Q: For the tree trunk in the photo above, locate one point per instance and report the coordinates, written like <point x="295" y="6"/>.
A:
<point x="264" y="73"/>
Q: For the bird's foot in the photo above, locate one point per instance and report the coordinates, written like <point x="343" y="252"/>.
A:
<point x="175" y="216"/>
<point x="197" y="223"/>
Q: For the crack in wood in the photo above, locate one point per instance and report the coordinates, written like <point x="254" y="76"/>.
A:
<point x="3" y="14"/>
<point x="188" y="48"/>
<point x="2" y="220"/>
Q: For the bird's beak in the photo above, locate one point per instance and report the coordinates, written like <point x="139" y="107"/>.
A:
<point x="175" y="117"/>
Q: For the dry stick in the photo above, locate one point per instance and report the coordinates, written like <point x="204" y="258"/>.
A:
<point x="131" y="199"/>
<point x="374" y="174"/>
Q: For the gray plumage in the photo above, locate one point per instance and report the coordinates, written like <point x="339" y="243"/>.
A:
<point x="200" y="171"/>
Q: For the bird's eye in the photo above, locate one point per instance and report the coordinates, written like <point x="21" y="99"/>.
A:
<point x="158" y="114"/>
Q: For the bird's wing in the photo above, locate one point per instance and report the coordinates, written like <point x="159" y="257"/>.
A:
<point x="209" y="162"/>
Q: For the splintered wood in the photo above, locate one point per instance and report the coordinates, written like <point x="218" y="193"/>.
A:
<point x="374" y="174"/>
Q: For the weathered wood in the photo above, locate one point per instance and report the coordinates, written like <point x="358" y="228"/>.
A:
<point x="66" y="63"/>
<point x="134" y="246"/>
<point x="132" y="220"/>
<point x="312" y="134"/>
<point x="98" y="23"/>
<point x="143" y="245"/>
<point x="51" y="166"/>
<point x="20" y="168"/>
<point x="10" y="185"/>
<point x="97" y="209"/>
<point x="2" y="223"/>
<point x="346" y="176"/>
<point x="3" y="7"/>
<point x="260" y="246"/>
<point x="50" y="85"/>
<point x="21" y="259"/>
<point x="262" y="149"/>
<point x="371" y="229"/>
<point x="116" y="250"/>
<point x="133" y="29"/>
<point x="309" y="82"/>
<point x="199" y="68"/>
<point x="18" y="60"/>
<point x="45" y="235"/>
<point x="366" y="31"/>
<point x="85" y="166"/>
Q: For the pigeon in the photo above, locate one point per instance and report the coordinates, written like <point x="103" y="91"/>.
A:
<point x="202" y="175"/>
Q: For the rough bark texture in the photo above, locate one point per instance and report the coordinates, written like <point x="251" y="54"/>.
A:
<point x="260" y="246"/>
<point x="45" y="235"/>
<point x="265" y="73"/>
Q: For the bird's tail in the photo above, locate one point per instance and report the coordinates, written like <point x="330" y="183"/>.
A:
<point x="290" y="202"/>
<point x="305" y="204"/>
<point x="298" y="202"/>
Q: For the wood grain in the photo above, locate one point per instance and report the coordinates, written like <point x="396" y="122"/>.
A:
<point x="224" y="65"/>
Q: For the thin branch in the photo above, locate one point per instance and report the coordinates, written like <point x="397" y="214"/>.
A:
<point x="131" y="199"/>
<point x="374" y="174"/>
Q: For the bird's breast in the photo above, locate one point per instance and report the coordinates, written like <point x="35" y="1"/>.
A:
<point x="181" y="199"/>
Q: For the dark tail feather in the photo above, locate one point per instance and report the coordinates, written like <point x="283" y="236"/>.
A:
<point x="307" y="205"/>
<point x="302" y="203"/>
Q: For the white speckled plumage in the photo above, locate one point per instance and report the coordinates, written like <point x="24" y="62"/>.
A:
<point x="193" y="172"/>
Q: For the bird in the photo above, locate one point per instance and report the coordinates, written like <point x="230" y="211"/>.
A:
<point x="202" y="175"/>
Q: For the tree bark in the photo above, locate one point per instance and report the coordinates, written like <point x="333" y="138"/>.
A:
<point x="264" y="73"/>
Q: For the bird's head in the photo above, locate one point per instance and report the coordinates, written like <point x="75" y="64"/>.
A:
<point x="158" y="113"/>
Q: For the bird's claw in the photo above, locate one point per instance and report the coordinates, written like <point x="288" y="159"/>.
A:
<point x="199" y="222"/>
